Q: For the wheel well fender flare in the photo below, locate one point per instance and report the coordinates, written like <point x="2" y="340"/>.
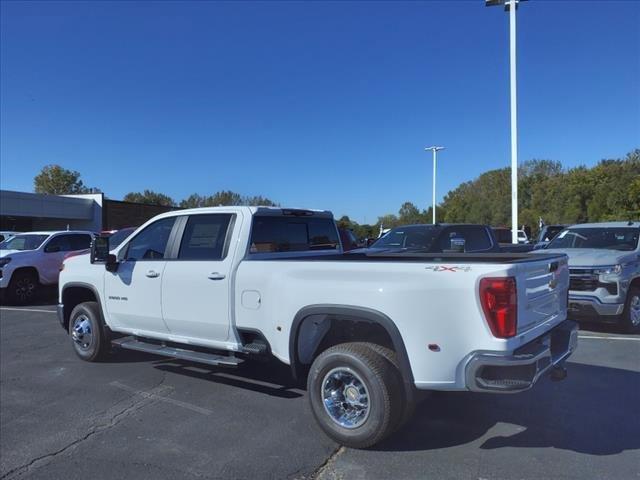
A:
<point x="360" y="313"/>
<point x="29" y="268"/>
<point x="83" y="285"/>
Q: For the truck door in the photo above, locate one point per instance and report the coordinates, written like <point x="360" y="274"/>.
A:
<point x="196" y="284"/>
<point x="132" y="293"/>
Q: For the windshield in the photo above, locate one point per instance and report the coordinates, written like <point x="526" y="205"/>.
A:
<point x="625" y="239"/>
<point x="119" y="237"/>
<point x="414" y="236"/>
<point x="23" y="242"/>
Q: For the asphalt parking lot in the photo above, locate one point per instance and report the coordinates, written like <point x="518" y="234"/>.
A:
<point x="140" y="416"/>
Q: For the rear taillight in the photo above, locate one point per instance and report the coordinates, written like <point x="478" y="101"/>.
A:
<point x="499" y="300"/>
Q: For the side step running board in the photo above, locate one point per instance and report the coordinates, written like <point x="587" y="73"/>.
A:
<point x="130" y="343"/>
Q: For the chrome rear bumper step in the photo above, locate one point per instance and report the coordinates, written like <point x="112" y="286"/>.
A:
<point x="131" y="343"/>
<point x="517" y="372"/>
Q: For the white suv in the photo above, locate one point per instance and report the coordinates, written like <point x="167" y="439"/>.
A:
<point x="29" y="260"/>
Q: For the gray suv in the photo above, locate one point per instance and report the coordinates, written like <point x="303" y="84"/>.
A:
<point x="604" y="268"/>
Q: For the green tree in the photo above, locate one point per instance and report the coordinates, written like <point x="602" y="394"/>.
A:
<point x="55" y="180"/>
<point x="388" y="221"/>
<point x="409" y="214"/>
<point x="194" y="201"/>
<point x="149" y="197"/>
<point x="225" y="198"/>
<point x="607" y="191"/>
<point x="259" y="200"/>
<point x="345" y="222"/>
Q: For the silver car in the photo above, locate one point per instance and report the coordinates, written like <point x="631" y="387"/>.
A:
<point x="604" y="267"/>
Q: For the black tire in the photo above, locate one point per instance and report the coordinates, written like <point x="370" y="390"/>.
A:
<point x="86" y="329"/>
<point x="24" y="287"/>
<point x="631" y="311"/>
<point x="363" y="364"/>
<point x="409" y="401"/>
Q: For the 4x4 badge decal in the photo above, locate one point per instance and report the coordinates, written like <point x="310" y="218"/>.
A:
<point x="446" y="268"/>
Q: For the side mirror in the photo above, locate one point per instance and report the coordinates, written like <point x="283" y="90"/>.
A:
<point x="100" y="254"/>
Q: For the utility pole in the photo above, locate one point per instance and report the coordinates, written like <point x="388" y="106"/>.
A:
<point x="511" y="6"/>
<point x="435" y="151"/>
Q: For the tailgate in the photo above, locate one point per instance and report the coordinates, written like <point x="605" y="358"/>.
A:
<point x="543" y="287"/>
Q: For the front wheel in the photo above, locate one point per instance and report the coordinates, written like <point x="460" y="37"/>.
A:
<point x="631" y="315"/>
<point x="86" y="332"/>
<point x="355" y="394"/>
<point x="23" y="287"/>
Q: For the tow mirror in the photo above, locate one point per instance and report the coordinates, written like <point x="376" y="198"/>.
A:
<point x="99" y="250"/>
<point x="100" y="253"/>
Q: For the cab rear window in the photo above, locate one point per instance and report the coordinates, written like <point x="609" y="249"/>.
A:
<point x="271" y="234"/>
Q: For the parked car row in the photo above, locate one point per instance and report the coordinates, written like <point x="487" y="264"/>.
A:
<point x="29" y="261"/>
<point x="604" y="259"/>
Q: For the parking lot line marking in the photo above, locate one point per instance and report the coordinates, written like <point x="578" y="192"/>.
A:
<point x="145" y="394"/>
<point x="26" y="310"/>
<point x="596" y="337"/>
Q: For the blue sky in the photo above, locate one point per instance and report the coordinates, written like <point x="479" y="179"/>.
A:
<point x="321" y="104"/>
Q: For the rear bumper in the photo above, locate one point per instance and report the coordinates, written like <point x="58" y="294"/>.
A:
<point x="520" y="370"/>
<point x="583" y="306"/>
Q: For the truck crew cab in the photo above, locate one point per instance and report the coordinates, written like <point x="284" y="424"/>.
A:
<point x="368" y="330"/>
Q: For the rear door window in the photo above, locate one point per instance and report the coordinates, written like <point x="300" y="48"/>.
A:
<point x="59" y="243"/>
<point x="204" y="237"/>
<point x="270" y="234"/>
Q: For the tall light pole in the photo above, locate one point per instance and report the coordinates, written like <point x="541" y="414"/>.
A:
<point x="435" y="151"/>
<point x="511" y="6"/>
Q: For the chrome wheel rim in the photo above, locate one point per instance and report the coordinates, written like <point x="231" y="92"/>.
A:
<point x="81" y="332"/>
<point x="24" y="288"/>
<point x="634" y="310"/>
<point x="345" y="397"/>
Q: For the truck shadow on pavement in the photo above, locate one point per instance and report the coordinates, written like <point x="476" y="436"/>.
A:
<point x="594" y="411"/>
<point x="271" y="378"/>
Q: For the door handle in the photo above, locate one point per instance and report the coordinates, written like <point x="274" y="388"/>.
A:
<point x="216" y="276"/>
<point x="152" y="274"/>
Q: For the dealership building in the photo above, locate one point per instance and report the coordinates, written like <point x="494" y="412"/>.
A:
<point x="24" y="212"/>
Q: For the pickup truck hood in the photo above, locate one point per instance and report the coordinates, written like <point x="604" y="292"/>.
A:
<point x="592" y="257"/>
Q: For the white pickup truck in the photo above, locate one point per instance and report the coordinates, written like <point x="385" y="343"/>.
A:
<point x="369" y="331"/>
<point x="31" y="260"/>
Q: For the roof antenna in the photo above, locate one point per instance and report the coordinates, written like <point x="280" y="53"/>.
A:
<point x="630" y="222"/>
